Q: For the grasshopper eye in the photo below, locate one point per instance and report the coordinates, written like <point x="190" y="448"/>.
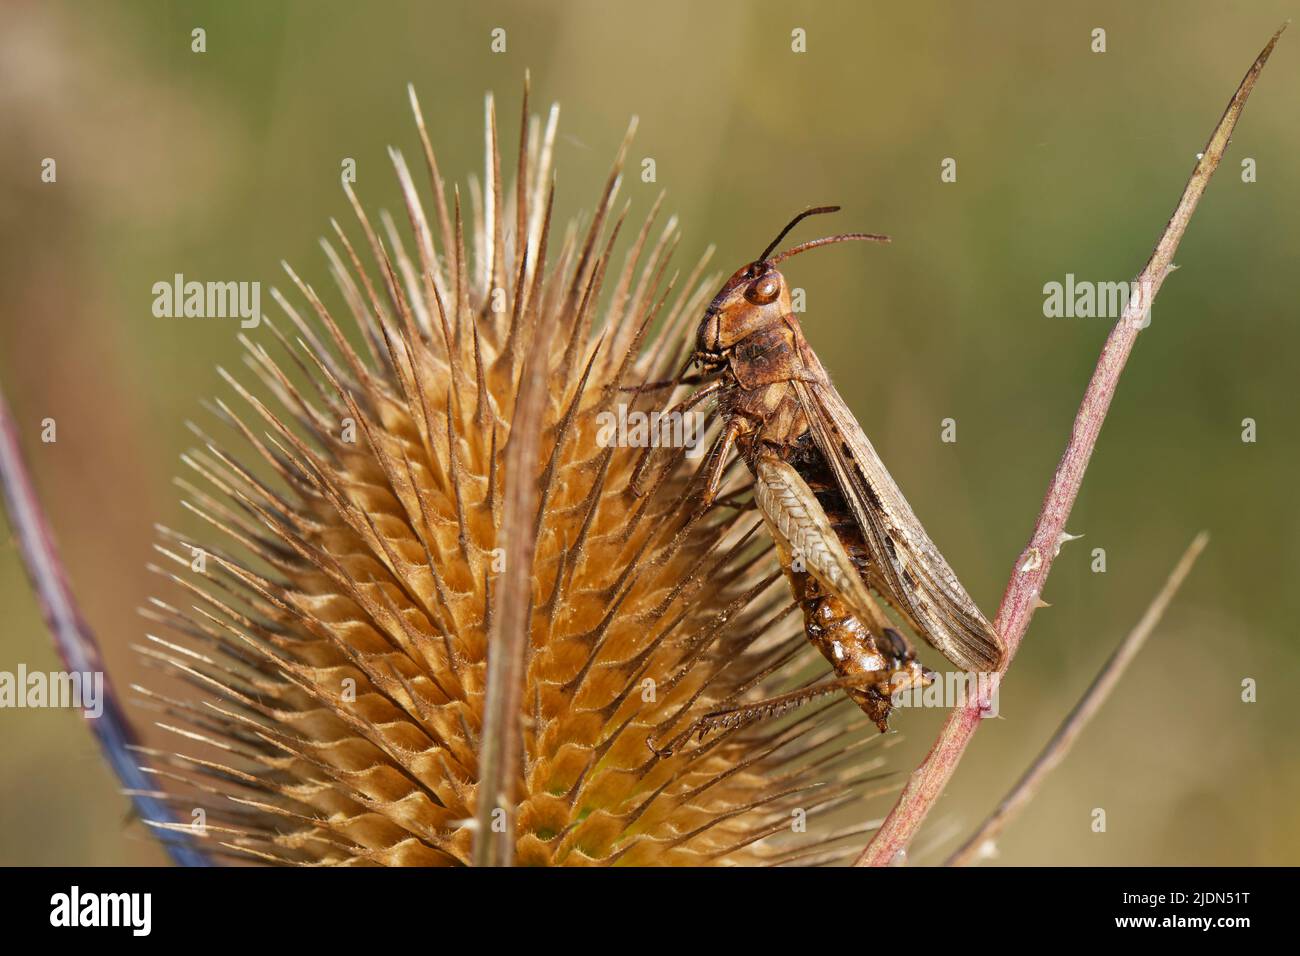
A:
<point x="763" y="291"/>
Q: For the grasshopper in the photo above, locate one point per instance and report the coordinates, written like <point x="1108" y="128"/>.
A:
<point x="844" y="533"/>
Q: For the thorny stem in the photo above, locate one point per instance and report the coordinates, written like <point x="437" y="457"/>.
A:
<point x="75" y="642"/>
<point x="1056" y="749"/>
<point x="1022" y="596"/>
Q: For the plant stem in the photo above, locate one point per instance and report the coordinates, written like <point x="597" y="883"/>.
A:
<point x="1083" y="711"/>
<point x="502" y="753"/>
<point x="74" y="640"/>
<point x="1024" y="589"/>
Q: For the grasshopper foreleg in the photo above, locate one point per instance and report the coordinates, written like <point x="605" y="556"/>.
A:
<point x="643" y="464"/>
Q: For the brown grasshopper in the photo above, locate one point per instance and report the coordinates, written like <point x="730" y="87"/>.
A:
<point x="842" y="528"/>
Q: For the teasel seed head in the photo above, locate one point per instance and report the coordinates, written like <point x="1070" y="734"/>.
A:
<point x="334" y="629"/>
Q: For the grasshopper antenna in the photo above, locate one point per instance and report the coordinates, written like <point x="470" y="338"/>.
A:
<point x="804" y="247"/>
<point x="845" y="237"/>
<point x="814" y="211"/>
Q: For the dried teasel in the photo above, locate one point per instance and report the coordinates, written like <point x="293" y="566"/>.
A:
<point x="333" y="638"/>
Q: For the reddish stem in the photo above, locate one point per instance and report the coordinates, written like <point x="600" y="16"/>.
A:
<point x="1022" y="596"/>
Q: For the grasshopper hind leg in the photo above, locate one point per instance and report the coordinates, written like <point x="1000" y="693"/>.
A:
<point x="742" y="715"/>
<point x="871" y="690"/>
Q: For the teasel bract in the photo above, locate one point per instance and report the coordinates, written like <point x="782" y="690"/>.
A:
<point x="334" y="628"/>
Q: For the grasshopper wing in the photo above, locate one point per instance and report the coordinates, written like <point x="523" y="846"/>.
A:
<point x="911" y="574"/>
<point x="800" y="528"/>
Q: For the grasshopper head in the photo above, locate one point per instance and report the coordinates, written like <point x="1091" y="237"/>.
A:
<point x="753" y="298"/>
<point x="756" y="296"/>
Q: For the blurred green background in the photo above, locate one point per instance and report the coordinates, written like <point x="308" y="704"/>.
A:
<point x="219" y="164"/>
